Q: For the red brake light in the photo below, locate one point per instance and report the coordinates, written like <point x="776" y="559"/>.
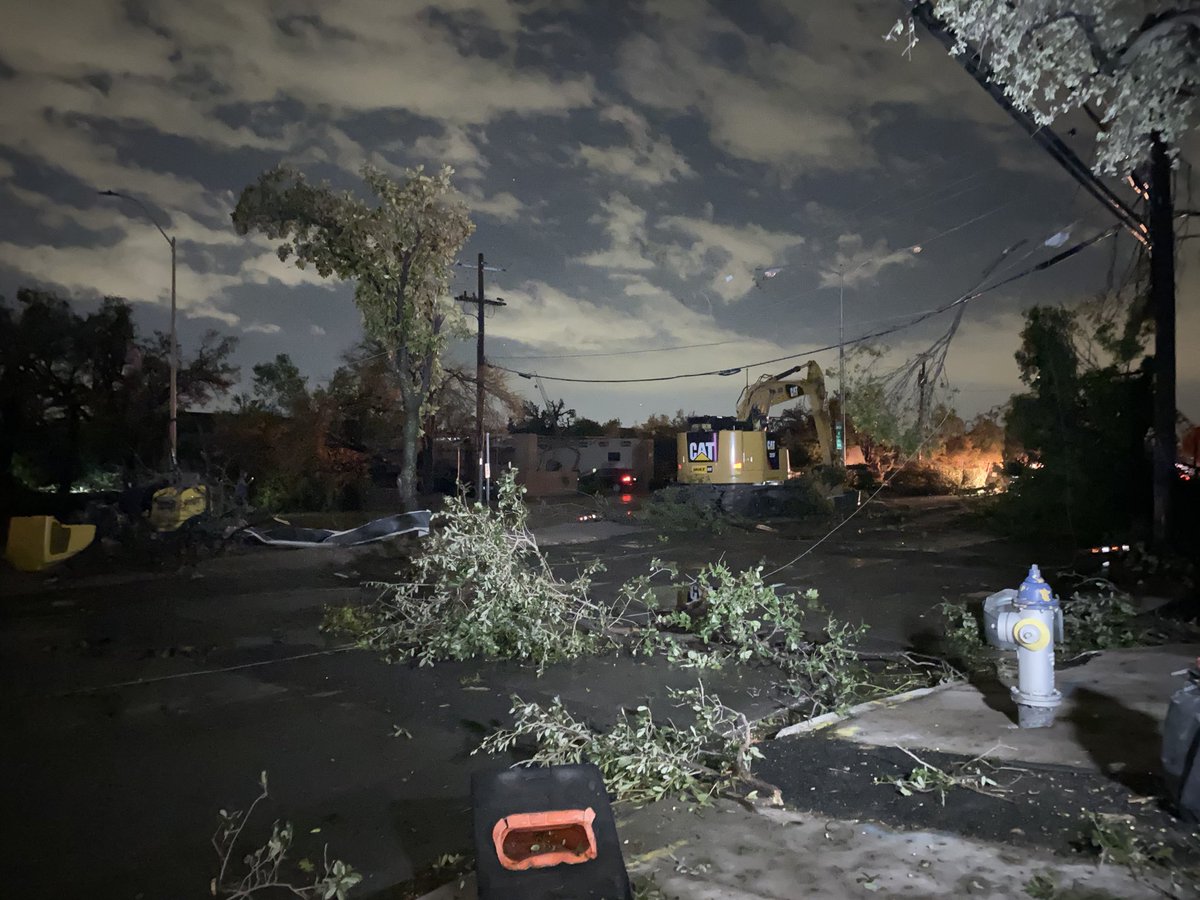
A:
<point x="626" y="479"/>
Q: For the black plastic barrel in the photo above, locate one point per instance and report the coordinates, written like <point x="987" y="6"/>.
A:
<point x="498" y="795"/>
<point x="1181" y="743"/>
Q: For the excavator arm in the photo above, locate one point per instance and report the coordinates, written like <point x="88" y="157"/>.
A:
<point x="757" y="400"/>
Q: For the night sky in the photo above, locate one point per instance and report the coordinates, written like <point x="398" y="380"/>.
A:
<point x="629" y="165"/>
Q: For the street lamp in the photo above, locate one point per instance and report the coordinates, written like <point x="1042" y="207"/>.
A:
<point x="842" y="272"/>
<point x="173" y="356"/>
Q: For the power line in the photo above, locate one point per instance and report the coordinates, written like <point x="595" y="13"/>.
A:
<point x="916" y="320"/>
<point x="623" y="352"/>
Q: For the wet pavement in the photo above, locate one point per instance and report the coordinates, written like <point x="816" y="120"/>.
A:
<point x="137" y="706"/>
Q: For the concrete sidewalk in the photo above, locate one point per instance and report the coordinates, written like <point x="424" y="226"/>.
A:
<point x="1114" y="705"/>
<point x="729" y="852"/>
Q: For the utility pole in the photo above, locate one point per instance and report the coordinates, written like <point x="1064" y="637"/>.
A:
<point x="481" y="302"/>
<point x="842" y="361"/>
<point x="922" y="381"/>
<point x="1162" y="301"/>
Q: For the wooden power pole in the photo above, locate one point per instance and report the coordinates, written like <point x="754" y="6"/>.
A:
<point x="1162" y="302"/>
<point x="480" y="363"/>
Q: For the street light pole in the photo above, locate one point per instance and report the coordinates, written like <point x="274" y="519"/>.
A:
<point x="842" y="272"/>
<point x="172" y="425"/>
<point x="842" y="359"/>
<point x="173" y="354"/>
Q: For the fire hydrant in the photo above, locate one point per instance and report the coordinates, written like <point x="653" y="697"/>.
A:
<point x="1028" y="620"/>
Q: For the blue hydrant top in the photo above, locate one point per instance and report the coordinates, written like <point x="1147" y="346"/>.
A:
<point x="1034" y="591"/>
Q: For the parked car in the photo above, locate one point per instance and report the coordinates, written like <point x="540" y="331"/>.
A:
<point x="608" y="481"/>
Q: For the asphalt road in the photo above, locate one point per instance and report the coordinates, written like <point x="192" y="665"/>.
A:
<point x="135" y="706"/>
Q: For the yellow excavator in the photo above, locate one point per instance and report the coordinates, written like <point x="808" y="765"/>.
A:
<point x="740" y="452"/>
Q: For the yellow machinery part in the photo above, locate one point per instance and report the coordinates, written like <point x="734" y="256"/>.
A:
<point x="35" y="542"/>
<point x="728" y="457"/>
<point x="172" y="506"/>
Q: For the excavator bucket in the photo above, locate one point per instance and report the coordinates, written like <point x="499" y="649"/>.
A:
<point x="35" y="542"/>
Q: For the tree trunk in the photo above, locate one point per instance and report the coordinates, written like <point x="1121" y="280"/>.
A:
<point x="406" y="482"/>
<point x="412" y="397"/>
<point x="69" y="467"/>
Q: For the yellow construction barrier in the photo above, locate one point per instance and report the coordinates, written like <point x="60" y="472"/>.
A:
<point x="35" y="542"/>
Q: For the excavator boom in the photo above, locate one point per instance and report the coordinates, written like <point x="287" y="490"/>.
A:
<point x="757" y="400"/>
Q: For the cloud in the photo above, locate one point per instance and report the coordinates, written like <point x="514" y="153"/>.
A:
<point x="647" y="159"/>
<point x="316" y="331"/>
<point x="796" y="99"/>
<point x="545" y="318"/>
<point x="137" y="265"/>
<point x="726" y="254"/>
<point x="503" y="206"/>
<point x="366" y="56"/>
<point x="625" y="224"/>
<point x="856" y="264"/>
<point x="262" y="328"/>
<point x="137" y="268"/>
<point x="454" y="147"/>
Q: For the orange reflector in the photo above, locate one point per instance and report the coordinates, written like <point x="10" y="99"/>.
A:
<point x="542" y="839"/>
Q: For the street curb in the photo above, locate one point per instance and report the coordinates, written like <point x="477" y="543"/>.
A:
<point x="833" y="718"/>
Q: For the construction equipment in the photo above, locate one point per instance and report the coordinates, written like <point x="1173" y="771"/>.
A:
<point x="740" y="449"/>
<point x="728" y="452"/>
<point x="175" y="504"/>
<point x="35" y="542"/>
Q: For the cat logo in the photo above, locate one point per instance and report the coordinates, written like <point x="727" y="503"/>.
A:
<point x="702" y="447"/>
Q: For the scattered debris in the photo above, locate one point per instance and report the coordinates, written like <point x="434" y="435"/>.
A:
<point x="264" y="865"/>
<point x="974" y="775"/>
<point x="1099" y="616"/>
<point x="643" y="760"/>
<point x="416" y="522"/>
<point x="736" y="617"/>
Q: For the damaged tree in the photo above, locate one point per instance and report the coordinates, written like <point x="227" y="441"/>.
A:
<point x="398" y="253"/>
<point x="1134" y="69"/>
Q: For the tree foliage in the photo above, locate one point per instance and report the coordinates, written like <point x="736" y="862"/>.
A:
<point x="1137" y="64"/>
<point x="643" y="760"/>
<point x="479" y="587"/>
<point x="397" y="252"/>
<point x="80" y="391"/>
<point x="1084" y="428"/>
<point x="552" y="418"/>
<point x="278" y="385"/>
<point x="304" y="448"/>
